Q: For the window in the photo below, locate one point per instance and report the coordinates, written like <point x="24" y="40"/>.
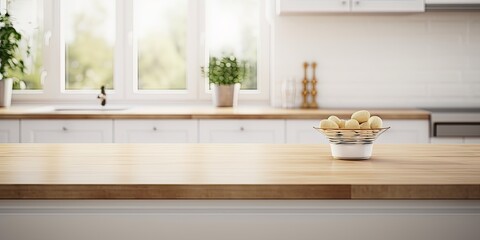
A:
<point x="27" y="17"/>
<point x="161" y="31"/>
<point x="89" y="35"/>
<point x="138" y="49"/>
<point x="232" y="27"/>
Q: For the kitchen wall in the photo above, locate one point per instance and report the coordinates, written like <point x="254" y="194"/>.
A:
<point x="382" y="60"/>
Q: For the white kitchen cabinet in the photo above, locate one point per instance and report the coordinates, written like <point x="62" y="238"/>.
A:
<point x="446" y="140"/>
<point x="455" y="140"/>
<point x="343" y="6"/>
<point x="242" y="131"/>
<point x="66" y="131"/>
<point x="9" y="131"/>
<point x="400" y="132"/>
<point x="405" y="132"/>
<point x="302" y="131"/>
<point x="471" y="140"/>
<point x="387" y="5"/>
<point x="156" y="131"/>
<point x="312" y="6"/>
<point x="452" y="1"/>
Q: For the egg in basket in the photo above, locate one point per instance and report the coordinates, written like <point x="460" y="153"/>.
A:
<point x="352" y="139"/>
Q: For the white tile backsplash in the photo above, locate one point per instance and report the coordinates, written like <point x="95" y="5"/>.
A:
<point x="471" y="76"/>
<point x="384" y="60"/>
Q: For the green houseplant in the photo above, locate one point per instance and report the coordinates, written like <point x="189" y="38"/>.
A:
<point x="225" y="75"/>
<point x="10" y="40"/>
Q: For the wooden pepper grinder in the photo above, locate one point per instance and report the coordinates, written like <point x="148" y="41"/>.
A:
<point x="314" y="104"/>
<point x="305" y="92"/>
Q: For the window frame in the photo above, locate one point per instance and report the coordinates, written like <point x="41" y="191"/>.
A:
<point x="125" y="63"/>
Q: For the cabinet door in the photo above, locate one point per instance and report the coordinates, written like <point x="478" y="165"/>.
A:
<point x="388" y="5"/>
<point x="452" y="1"/>
<point x="242" y="131"/>
<point x="405" y="131"/>
<point x="471" y="140"/>
<point x="156" y="131"/>
<point x="311" y="6"/>
<point x="66" y="131"/>
<point x="9" y="131"/>
<point x="302" y="131"/>
<point x="446" y="140"/>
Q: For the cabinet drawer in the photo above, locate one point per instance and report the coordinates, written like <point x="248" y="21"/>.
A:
<point x="242" y="131"/>
<point x="285" y="7"/>
<point x="66" y="131"/>
<point x="156" y="131"/>
<point x="388" y="5"/>
<point x="455" y="140"/>
<point x="405" y="132"/>
<point x="471" y="140"/>
<point x="302" y="131"/>
<point x="9" y="131"/>
<point x="311" y="6"/>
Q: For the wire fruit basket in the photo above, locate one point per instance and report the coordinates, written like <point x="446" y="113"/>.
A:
<point x="353" y="144"/>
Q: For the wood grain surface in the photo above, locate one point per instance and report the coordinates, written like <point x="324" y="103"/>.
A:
<point x="183" y="112"/>
<point x="236" y="171"/>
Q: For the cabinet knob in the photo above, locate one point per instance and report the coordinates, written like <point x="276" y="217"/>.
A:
<point x="242" y="129"/>
<point x="357" y="2"/>
<point x="64" y="128"/>
<point x="154" y="128"/>
<point x="344" y="2"/>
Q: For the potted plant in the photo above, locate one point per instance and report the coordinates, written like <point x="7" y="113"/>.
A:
<point x="225" y="75"/>
<point x="10" y="59"/>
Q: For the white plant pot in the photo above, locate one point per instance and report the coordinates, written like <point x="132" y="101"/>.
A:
<point x="6" y="86"/>
<point x="225" y="95"/>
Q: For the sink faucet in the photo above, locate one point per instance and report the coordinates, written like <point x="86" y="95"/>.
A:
<point x="102" y="96"/>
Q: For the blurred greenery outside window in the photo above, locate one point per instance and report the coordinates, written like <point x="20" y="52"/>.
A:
<point x="89" y="33"/>
<point x="160" y="28"/>
<point x="232" y="27"/>
<point x="27" y="17"/>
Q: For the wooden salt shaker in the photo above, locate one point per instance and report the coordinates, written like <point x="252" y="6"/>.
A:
<point x="305" y="91"/>
<point x="313" y="103"/>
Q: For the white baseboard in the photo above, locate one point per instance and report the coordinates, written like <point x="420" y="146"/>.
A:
<point x="239" y="219"/>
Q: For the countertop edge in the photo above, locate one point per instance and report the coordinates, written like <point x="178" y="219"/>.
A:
<point x="241" y="191"/>
<point x="231" y="113"/>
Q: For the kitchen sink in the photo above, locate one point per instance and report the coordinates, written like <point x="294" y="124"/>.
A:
<point x="89" y="108"/>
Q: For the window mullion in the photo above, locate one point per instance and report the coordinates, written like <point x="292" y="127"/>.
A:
<point x="3" y="6"/>
<point x="121" y="63"/>
<point x="202" y="50"/>
<point x="195" y="42"/>
<point x="54" y="52"/>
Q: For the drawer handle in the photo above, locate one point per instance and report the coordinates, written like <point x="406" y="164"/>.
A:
<point x="64" y="128"/>
<point x="154" y="128"/>
<point x="242" y="129"/>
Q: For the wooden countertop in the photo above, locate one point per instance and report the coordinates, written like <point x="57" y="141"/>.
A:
<point x="202" y="112"/>
<point x="236" y="171"/>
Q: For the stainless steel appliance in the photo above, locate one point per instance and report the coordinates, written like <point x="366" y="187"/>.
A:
<point x="454" y="122"/>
